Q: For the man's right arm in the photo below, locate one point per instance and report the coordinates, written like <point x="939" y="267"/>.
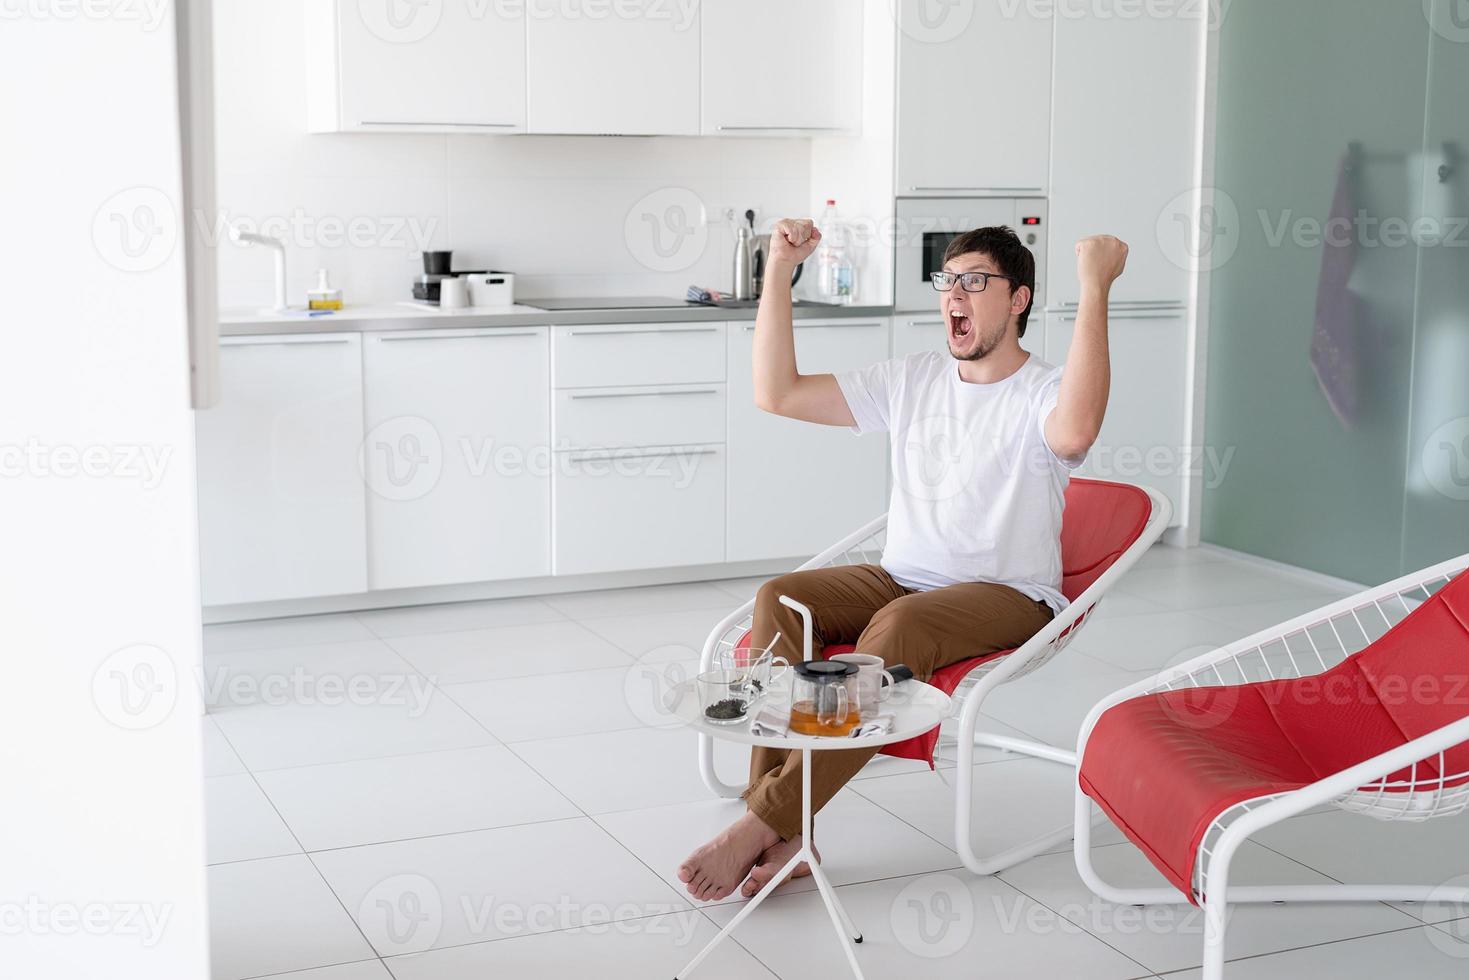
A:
<point x="779" y="387"/>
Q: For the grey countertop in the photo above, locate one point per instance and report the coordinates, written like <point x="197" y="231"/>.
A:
<point x="409" y="316"/>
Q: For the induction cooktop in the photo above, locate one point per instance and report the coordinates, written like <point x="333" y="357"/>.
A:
<point x="608" y="303"/>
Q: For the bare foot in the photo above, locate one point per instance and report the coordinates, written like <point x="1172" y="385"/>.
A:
<point x="771" y="861"/>
<point x="715" y="869"/>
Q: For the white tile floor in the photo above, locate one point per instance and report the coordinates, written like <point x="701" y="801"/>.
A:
<point x="488" y="790"/>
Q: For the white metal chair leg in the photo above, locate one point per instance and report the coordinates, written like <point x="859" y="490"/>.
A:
<point x="716" y="785"/>
<point x="1216" y="904"/>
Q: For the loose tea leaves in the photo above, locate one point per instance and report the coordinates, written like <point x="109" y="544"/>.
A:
<point x="726" y="709"/>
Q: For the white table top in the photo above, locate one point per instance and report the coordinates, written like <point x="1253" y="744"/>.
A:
<point x="915" y="706"/>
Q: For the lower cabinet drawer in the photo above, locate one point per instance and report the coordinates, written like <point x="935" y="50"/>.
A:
<point x="637" y="508"/>
<point x="604" y="418"/>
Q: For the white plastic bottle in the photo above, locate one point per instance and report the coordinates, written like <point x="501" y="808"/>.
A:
<point x="836" y="273"/>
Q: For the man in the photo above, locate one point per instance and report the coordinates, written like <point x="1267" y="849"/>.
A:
<point x="983" y="442"/>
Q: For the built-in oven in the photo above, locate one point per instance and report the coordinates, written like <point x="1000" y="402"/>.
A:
<point x="926" y="225"/>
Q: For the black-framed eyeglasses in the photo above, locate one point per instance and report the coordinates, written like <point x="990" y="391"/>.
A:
<point x="973" y="282"/>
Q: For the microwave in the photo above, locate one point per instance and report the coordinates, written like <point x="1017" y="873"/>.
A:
<point x="924" y="227"/>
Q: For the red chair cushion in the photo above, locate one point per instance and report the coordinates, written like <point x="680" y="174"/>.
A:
<point x="1101" y="520"/>
<point x="1164" y="766"/>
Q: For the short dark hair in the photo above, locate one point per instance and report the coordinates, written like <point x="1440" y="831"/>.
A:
<point x="1009" y="254"/>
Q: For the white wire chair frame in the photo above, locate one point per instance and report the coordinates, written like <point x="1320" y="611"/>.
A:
<point x="1305" y="646"/>
<point x="864" y="546"/>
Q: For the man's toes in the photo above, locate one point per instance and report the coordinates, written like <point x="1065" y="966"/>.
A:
<point x="686" y="872"/>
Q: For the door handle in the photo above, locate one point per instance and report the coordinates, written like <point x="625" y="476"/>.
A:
<point x="394" y="337"/>
<point x="628" y="333"/>
<point x="644" y="394"/>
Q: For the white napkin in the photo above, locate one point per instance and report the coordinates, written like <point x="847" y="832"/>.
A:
<point x="773" y="721"/>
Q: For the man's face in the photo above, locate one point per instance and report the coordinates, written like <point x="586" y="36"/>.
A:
<point x="978" y="321"/>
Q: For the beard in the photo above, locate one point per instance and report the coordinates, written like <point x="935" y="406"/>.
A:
<point x="986" y="345"/>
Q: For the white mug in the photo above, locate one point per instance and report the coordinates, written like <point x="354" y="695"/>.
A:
<point x="453" y="294"/>
<point x="870" y="673"/>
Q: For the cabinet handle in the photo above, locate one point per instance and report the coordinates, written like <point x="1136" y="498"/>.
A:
<point x="612" y="454"/>
<point x="798" y="325"/>
<point x="794" y="129"/>
<point x="472" y="336"/>
<point x="398" y="122"/>
<point x="1124" y="315"/>
<point x="1035" y="190"/>
<point x="285" y="342"/>
<point x="923" y="323"/>
<point x="644" y="394"/>
<point x="625" y="333"/>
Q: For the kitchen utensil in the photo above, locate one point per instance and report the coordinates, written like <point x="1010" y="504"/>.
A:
<point x="744" y="263"/>
<point x="824" y="698"/>
<point x="438" y="263"/>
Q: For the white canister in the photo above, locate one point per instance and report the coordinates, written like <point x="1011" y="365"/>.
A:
<point x="491" y="289"/>
<point x="453" y="294"/>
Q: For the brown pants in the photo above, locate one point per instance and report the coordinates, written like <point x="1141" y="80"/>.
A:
<point x="862" y="604"/>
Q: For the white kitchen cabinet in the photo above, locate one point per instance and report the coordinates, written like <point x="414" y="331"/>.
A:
<point x="625" y="68"/>
<point x="974" y="98"/>
<point x="914" y="333"/>
<point x="638" y="354"/>
<point x="778" y="68"/>
<point x="457" y="455"/>
<point x="796" y="487"/>
<point x="625" y="509"/>
<point x="1122" y="149"/>
<point x="281" y="501"/>
<point x="1143" y="434"/>
<point x="450" y="66"/>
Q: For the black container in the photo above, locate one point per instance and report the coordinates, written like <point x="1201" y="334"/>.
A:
<point x="437" y="263"/>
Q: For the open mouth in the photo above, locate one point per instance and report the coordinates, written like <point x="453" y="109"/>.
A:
<point x="960" y="326"/>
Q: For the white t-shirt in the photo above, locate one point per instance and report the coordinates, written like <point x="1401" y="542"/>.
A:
<point x="977" y="491"/>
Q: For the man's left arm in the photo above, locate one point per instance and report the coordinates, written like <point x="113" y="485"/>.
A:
<point x="1086" y="380"/>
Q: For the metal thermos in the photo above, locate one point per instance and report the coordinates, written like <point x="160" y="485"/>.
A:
<point x="744" y="264"/>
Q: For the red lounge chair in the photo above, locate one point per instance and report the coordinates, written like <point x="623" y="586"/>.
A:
<point x="1106" y="528"/>
<point x="1362" y="704"/>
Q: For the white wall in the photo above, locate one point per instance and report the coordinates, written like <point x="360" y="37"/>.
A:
<point x="563" y="213"/>
<point x="101" y="838"/>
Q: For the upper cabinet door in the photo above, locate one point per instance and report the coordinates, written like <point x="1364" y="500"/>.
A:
<point x="974" y="97"/>
<point x="450" y="66"/>
<point x="630" y="68"/>
<point x="778" y="67"/>
<point x="1123" y="149"/>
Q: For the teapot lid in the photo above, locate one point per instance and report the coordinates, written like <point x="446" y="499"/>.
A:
<point x="824" y="671"/>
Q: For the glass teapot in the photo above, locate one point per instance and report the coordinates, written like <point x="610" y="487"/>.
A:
<point x="824" y="698"/>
